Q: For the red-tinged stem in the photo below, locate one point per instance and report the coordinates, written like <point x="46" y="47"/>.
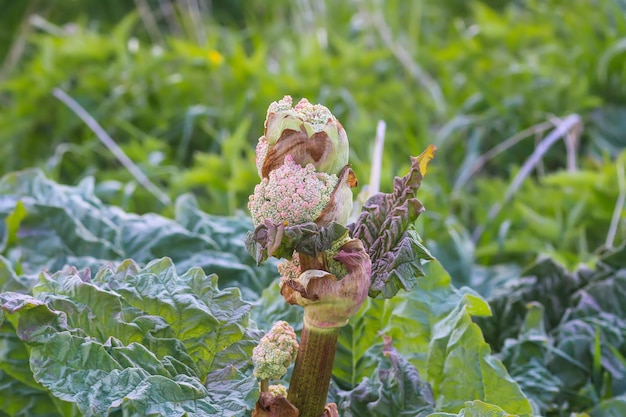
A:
<point x="310" y="379"/>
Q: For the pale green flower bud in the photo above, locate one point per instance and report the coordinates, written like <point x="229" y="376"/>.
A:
<point x="302" y="160"/>
<point x="277" y="390"/>
<point x="276" y="351"/>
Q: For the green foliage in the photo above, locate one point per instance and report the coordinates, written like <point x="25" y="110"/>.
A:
<point x="186" y="99"/>
<point x="571" y="226"/>
<point x="49" y="225"/>
<point x="20" y="394"/>
<point x="187" y="102"/>
<point x="396" y="385"/>
<point x="562" y="335"/>
<point x="138" y="341"/>
<point x="432" y="327"/>
<point x="510" y="69"/>
<point x="154" y="339"/>
<point x="568" y="226"/>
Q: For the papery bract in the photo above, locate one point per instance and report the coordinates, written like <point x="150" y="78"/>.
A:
<point x="308" y="132"/>
<point x="329" y="302"/>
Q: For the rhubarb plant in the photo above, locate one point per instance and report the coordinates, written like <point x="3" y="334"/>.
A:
<point x="191" y="325"/>
<point x="300" y="210"/>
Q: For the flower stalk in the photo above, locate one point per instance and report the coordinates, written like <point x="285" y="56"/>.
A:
<point x="300" y="211"/>
<point x="264" y="385"/>
<point x="310" y="380"/>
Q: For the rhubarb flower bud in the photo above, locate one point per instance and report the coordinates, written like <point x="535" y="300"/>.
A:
<point x="278" y="390"/>
<point x="290" y="269"/>
<point x="275" y="352"/>
<point x="293" y="194"/>
<point x="308" y="132"/>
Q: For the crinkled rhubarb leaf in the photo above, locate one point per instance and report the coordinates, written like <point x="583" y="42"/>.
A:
<point x="20" y="395"/>
<point x="48" y="226"/>
<point x="568" y="349"/>
<point x="522" y="358"/>
<point x="270" y="239"/>
<point x="44" y="225"/>
<point x="431" y="326"/>
<point x="394" y="389"/>
<point x="141" y="341"/>
<point x="545" y="282"/>
<point x="477" y="409"/>
<point x="234" y="265"/>
<point x="386" y="228"/>
<point x="10" y="281"/>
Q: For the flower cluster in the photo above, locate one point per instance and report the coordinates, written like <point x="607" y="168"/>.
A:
<point x="292" y="194"/>
<point x="278" y="390"/>
<point x="290" y="268"/>
<point x="275" y="352"/>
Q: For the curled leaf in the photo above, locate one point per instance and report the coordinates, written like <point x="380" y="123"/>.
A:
<point x="340" y="205"/>
<point x="386" y="228"/>
<point x="330" y="410"/>
<point x="327" y="301"/>
<point x="280" y="241"/>
<point x="270" y="405"/>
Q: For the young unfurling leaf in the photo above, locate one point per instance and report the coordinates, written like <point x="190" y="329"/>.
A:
<point x="386" y="228"/>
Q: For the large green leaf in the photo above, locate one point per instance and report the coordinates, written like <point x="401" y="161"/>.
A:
<point x="432" y="327"/>
<point x="228" y="234"/>
<point x="546" y="282"/>
<point x="139" y="341"/>
<point x="522" y="358"/>
<point x="20" y="395"/>
<point x="48" y="226"/>
<point x="460" y="366"/>
<point x="476" y="409"/>
<point x="566" y="342"/>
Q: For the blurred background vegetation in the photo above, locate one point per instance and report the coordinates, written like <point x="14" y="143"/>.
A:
<point x="525" y="99"/>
